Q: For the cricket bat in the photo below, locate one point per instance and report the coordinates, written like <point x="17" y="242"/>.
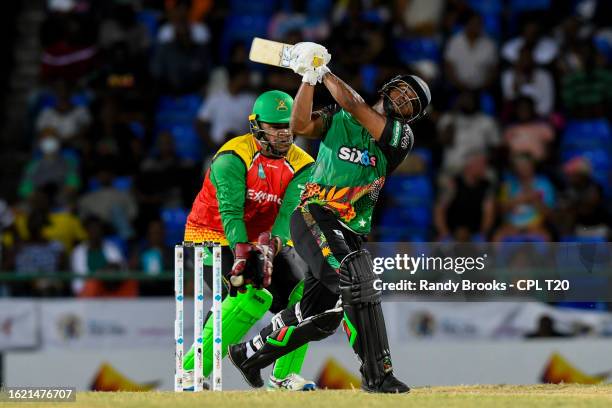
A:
<point x="274" y="53"/>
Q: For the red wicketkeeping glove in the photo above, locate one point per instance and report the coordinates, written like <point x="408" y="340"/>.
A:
<point x="242" y="252"/>
<point x="265" y="246"/>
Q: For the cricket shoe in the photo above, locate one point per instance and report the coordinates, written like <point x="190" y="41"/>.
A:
<point x="389" y="384"/>
<point x="188" y="381"/>
<point x="237" y="354"/>
<point x="293" y="382"/>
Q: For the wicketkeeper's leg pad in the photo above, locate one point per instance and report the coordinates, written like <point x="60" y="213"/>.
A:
<point x="239" y="314"/>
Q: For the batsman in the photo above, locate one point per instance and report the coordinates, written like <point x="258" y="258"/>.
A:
<point x="248" y="195"/>
<point x="360" y="146"/>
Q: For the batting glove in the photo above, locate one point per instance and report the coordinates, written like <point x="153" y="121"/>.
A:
<point x="305" y="56"/>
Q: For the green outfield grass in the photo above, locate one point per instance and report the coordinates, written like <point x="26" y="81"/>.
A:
<point x="498" y="396"/>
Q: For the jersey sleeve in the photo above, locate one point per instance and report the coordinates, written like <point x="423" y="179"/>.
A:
<point x="395" y="142"/>
<point x="327" y="114"/>
<point x="290" y="202"/>
<point x="228" y="175"/>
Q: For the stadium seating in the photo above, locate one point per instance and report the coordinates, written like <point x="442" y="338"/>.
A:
<point x="591" y="139"/>
<point x="242" y="28"/>
<point x="518" y="6"/>
<point x="411" y="50"/>
<point x="122" y="183"/>
<point x="177" y="115"/>
<point x="174" y="224"/>
<point x="583" y="135"/>
<point x="150" y="19"/>
<point x="408" y="216"/>
<point x="250" y="7"/>
<point x="490" y="10"/>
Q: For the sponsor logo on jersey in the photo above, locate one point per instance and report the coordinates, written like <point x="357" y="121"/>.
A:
<point x="397" y="131"/>
<point x="262" y="196"/>
<point x="407" y="138"/>
<point x="354" y="155"/>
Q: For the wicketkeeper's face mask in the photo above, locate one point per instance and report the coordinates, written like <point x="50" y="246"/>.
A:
<point x="277" y="139"/>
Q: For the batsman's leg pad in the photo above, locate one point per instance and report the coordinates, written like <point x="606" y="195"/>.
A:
<point x="239" y="314"/>
<point x="296" y="294"/>
<point x="292" y="362"/>
<point x="364" y="323"/>
<point x="288" y="338"/>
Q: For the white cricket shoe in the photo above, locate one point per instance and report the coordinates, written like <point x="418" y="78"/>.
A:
<point x="188" y="381"/>
<point x="293" y="382"/>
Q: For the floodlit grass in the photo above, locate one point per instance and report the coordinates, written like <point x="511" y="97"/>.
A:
<point x="498" y="396"/>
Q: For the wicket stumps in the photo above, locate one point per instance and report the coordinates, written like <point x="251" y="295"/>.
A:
<point x="198" y="313"/>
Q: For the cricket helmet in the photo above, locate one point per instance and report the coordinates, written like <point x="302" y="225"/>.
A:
<point x="419" y="101"/>
<point x="272" y="107"/>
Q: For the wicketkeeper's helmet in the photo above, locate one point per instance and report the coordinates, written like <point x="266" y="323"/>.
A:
<point x="272" y="107"/>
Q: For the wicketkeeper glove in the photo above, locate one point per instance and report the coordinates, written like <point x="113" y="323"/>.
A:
<point x="242" y="253"/>
<point x="253" y="264"/>
<point x="265" y="247"/>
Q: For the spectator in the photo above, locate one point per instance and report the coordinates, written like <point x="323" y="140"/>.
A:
<point x="38" y="254"/>
<point x="225" y="113"/>
<point x="51" y="169"/>
<point x="466" y="204"/>
<point x="470" y="58"/>
<point x="68" y="40"/>
<point x="544" y="49"/>
<point x="60" y="225"/>
<point x="465" y="130"/>
<point x="179" y="16"/>
<point x="422" y="17"/>
<point x="119" y="136"/>
<point x="154" y="258"/>
<point x="123" y="28"/>
<point x="582" y="211"/>
<point x="7" y="240"/>
<point x="164" y="180"/>
<point x="525" y="79"/>
<point x="309" y="18"/>
<point x="65" y="121"/>
<point x="526" y="200"/>
<point x="528" y="134"/>
<point x="568" y="60"/>
<point x="358" y="37"/>
<point x="587" y="92"/>
<point x="113" y="206"/>
<point x="98" y="255"/>
<point x="181" y="64"/>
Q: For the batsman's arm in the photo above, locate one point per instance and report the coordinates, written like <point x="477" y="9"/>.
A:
<point x="353" y="103"/>
<point x="227" y="174"/>
<point x="303" y="121"/>
<point x="290" y="202"/>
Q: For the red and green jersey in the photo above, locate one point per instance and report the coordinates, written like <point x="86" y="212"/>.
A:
<point x="245" y="193"/>
<point x="351" y="166"/>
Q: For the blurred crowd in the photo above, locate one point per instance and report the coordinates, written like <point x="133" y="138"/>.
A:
<point x="136" y="95"/>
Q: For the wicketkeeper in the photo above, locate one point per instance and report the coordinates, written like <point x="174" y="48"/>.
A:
<point x="248" y="195"/>
<point x="360" y="146"/>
